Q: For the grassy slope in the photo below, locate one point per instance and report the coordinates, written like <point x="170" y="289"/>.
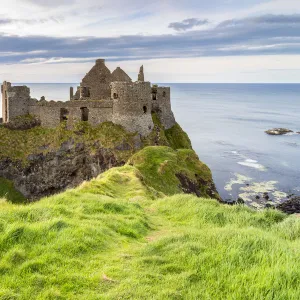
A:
<point x="159" y="166"/>
<point x="117" y="238"/>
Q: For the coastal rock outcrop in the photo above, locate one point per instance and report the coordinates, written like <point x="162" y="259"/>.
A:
<point x="291" y="206"/>
<point x="278" y="131"/>
<point x="55" y="171"/>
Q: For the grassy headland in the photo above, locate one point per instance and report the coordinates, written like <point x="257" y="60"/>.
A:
<point x="117" y="237"/>
<point x="132" y="233"/>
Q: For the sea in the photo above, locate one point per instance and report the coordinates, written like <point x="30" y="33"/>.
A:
<point x="226" y="124"/>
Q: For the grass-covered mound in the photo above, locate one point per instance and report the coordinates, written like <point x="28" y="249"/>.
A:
<point x="117" y="238"/>
<point x="173" y="171"/>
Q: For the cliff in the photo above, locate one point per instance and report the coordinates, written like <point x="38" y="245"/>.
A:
<point x="44" y="161"/>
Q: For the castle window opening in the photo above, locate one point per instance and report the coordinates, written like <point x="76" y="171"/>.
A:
<point x="64" y="114"/>
<point x="84" y="114"/>
<point x="145" y="109"/>
<point x="154" y="96"/>
<point x="164" y="94"/>
<point x="116" y="96"/>
<point x="86" y="92"/>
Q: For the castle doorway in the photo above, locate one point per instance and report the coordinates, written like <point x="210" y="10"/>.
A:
<point x="145" y="109"/>
<point x="64" y="114"/>
<point x="84" y="114"/>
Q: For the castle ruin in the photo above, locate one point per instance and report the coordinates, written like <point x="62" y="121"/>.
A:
<point x="101" y="97"/>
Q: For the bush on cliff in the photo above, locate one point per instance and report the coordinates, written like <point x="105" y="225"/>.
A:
<point x="116" y="237"/>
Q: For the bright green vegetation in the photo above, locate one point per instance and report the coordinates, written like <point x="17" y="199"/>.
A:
<point x="116" y="237"/>
<point x="177" y="138"/>
<point x="18" y="144"/>
<point x="8" y="191"/>
<point x="174" y="137"/>
<point x="160" y="165"/>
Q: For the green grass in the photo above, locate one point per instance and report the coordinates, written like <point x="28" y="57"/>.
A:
<point x="177" y="138"/>
<point x="17" y="145"/>
<point x="8" y="191"/>
<point x="159" y="166"/>
<point x="173" y="137"/>
<point x="116" y="237"/>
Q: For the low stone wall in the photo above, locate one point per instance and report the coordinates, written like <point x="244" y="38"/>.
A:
<point x="51" y="113"/>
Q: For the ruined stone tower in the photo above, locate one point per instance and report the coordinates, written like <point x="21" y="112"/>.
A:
<point x="101" y="97"/>
<point x="15" y="101"/>
<point x="132" y="106"/>
<point x="96" y="82"/>
<point x="141" y="76"/>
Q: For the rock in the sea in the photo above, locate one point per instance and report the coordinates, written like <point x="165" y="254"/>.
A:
<point x="278" y="131"/>
<point x="240" y="201"/>
<point x="266" y="196"/>
<point x="291" y="206"/>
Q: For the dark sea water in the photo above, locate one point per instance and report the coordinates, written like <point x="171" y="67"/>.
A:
<point x="226" y="123"/>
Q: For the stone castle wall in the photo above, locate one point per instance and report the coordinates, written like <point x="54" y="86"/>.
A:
<point x="132" y="106"/>
<point x="53" y="113"/>
<point x="161" y="104"/>
<point x="102" y="96"/>
<point x="97" y="80"/>
<point x="14" y="101"/>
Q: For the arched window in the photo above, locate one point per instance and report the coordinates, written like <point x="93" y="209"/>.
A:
<point x="164" y="94"/>
<point x="116" y="96"/>
<point x="145" y="109"/>
<point x="154" y="96"/>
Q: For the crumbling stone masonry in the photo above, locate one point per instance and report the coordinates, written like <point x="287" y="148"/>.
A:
<point x="102" y="96"/>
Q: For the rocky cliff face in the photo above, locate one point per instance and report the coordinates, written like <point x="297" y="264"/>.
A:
<point x="42" y="162"/>
<point x="55" y="171"/>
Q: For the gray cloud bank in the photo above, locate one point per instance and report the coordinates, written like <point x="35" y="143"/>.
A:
<point x="187" y="24"/>
<point x="57" y="19"/>
<point x="269" y="34"/>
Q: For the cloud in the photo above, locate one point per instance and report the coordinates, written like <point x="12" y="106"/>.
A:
<point x="51" y="3"/>
<point x="270" y="20"/>
<point x="5" y="21"/>
<point x="57" y="19"/>
<point x="263" y="35"/>
<point x="187" y="24"/>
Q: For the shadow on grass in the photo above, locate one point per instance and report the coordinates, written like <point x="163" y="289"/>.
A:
<point x="8" y="191"/>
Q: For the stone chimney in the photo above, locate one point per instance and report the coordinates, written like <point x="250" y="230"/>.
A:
<point x="141" y="76"/>
<point x="100" y="61"/>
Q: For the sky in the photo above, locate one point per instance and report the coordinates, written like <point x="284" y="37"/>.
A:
<point x="177" y="41"/>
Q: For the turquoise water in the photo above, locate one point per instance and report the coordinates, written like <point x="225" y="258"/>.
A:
<point x="226" y="123"/>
